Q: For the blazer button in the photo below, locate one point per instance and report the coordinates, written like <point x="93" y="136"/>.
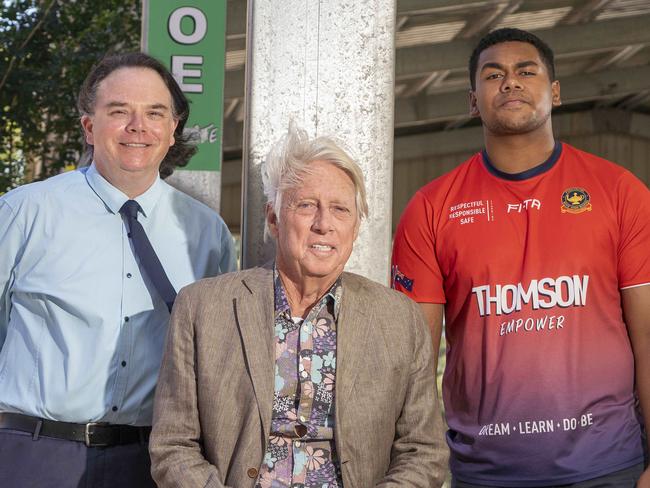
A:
<point x="252" y="473"/>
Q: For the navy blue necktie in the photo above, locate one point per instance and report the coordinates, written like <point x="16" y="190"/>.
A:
<point x="144" y="251"/>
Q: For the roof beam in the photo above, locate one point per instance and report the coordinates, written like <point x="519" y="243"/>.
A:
<point x="593" y="37"/>
<point x="401" y="22"/>
<point x="585" y="12"/>
<point x="615" y="58"/>
<point x="420" y="85"/>
<point x="482" y="23"/>
<point x="605" y="85"/>
<point x="635" y="100"/>
<point x="414" y="7"/>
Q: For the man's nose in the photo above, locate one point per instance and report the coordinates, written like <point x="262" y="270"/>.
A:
<point x="136" y="123"/>
<point x="511" y="82"/>
<point x="323" y="221"/>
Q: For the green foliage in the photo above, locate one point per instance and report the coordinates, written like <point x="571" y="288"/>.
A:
<point x="12" y="162"/>
<point x="47" y="48"/>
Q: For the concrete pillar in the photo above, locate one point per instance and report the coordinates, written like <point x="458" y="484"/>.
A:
<point x="205" y="186"/>
<point x="329" y="65"/>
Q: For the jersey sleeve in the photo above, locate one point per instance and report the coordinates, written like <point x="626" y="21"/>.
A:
<point x="634" y="224"/>
<point x="415" y="270"/>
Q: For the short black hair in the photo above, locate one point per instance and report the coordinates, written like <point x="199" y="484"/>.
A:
<point x="180" y="153"/>
<point x="511" y="35"/>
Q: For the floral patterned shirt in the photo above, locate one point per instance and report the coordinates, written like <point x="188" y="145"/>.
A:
<point x="301" y="451"/>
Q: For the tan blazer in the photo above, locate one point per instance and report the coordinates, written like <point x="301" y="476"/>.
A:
<point x="212" y="413"/>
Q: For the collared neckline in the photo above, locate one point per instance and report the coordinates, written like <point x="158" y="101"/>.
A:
<point x="114" y="198"/>
<point x="281" y="302"/>
<point x="529" y="173"/>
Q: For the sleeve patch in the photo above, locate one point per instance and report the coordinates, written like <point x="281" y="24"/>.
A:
<point x="397" y="277"/>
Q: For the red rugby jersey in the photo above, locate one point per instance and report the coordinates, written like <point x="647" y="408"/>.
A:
<point x="538" y="387"/>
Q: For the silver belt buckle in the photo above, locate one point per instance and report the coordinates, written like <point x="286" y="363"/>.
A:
<point x="87" y="435"/>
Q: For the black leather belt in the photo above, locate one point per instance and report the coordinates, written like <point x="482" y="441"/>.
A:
<point x="93" y="434"/>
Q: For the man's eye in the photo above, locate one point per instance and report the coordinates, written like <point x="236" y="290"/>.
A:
<point x="156" y="115"/>
<point x="493" y="76"/>
<point x="528" y="73"/>
<point x="118" y="112"/>
<point x="340" y="210"/>
<point x="305" y="206"/>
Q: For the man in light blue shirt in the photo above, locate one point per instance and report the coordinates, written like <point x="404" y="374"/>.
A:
<point x="82" y="320"/>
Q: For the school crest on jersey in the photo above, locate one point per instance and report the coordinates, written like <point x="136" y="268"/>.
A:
<point x="575" y="200"/>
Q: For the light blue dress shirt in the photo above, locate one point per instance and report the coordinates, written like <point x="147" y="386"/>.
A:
<point x="81" y="328"/>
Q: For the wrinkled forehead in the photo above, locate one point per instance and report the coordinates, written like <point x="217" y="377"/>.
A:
<point x="320" y="180"/>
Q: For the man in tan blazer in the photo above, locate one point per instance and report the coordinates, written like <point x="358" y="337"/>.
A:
<point x="220" y="415"/>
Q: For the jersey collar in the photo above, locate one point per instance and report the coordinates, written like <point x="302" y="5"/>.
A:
<point x="529" y="173"/>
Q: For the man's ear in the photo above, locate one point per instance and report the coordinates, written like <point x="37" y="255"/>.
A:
<point x="87" y="125"/>
<point x="172" y="139"/>
<point x="271" y="220"/>
<point x="555" y="91"/>
<point x="473" y="105"/>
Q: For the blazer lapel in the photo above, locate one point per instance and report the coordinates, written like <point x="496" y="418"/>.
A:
<point x="353" y="329"/>
<point x="254" y="309"/>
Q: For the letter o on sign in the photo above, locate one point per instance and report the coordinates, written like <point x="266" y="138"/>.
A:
<point x="200" y="25"/>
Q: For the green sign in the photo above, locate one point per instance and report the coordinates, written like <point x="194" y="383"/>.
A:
<point x="189" y="37"/>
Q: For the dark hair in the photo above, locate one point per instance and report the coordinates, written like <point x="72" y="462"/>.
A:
<point x="511" y="35"/>
<point x="180" y="153"/>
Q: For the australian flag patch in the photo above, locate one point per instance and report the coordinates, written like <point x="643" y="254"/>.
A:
<point x="397" y="277"/>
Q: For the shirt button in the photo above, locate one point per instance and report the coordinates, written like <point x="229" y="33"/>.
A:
<point x="126" y="319"/>
<point x="298" y="444"/>
<point x="123" y="363"/>
<point x="302" y="418"/>
<point x="114" y="409"/>
<point x="305" y="328"/>
<point x="252" y="473"/>
<point x="304" y="374"/>
<point x="129" y="275"/>
<point x="129" y="235"/>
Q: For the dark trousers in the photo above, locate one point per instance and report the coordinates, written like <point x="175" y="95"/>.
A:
<point x="57" y="463"/>
<point x="625" y="478"/>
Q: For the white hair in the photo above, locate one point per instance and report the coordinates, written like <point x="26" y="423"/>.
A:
<point x="287" y="163"/>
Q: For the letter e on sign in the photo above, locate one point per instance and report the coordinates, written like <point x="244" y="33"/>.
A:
<point x="180" y="72"/>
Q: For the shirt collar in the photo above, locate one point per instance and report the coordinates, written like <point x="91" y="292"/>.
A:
<point x="529" y="173"/>
<point x="113" y="198"/>
<point x="280" y="297"/>
<point x="282" y="303"/>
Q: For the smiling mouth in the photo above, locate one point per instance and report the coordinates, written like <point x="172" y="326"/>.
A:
<point x="134" y="144"/>
<point x="321" y="247"/>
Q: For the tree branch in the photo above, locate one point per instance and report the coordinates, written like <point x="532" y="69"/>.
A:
<point x="25" y="42"/>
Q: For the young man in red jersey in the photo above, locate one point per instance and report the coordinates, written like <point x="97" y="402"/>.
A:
<point x="538" y="255"/>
